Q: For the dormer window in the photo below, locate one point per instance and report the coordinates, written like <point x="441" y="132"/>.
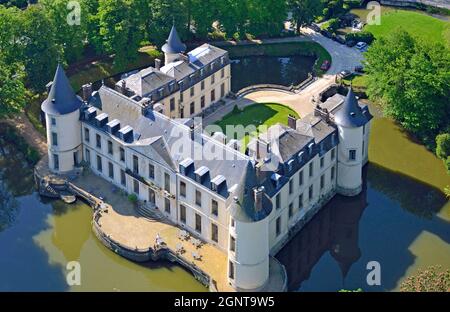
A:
<point x="201" y="174"/>
<point x="185" y="166"/>
<point x="290" y="165"/>
<point x="212" y="65"/>
<point x="301" y="156"/>
<point x="161" y="92"/>
<point x="222" y="60"/>
<point x="202" y="72"/>
<point x="217" y="182"/>
<point x="310" y="147"/>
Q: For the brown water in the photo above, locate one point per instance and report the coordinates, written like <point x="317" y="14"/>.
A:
<point x="401" y="219"/>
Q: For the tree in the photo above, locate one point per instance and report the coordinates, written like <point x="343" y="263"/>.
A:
<point x="69" y="34"/>
<point x="12" y="89"/>
<point x="10" y="34"/>
<point x="443" y="149"/>
<point x="433" y="279"/>
<point x="411" y="80"/>
<point x="266" y="17"/>
<point x="304" y="12"/>
<point x="121" y="28"/>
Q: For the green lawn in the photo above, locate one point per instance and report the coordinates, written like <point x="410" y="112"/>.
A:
<point x="417" y="23"/>
<point x="282" y="49"/>
<point x="262" y="116"/>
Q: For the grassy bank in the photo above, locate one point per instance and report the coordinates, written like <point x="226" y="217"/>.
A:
<point x="301" y="48"/>
<point x="9" y="136"/>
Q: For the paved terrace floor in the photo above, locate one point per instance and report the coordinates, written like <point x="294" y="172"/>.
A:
<point x="124" y="225"/>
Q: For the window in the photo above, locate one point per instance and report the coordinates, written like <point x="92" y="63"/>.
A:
<point x="87" y="156"/>
<point x="214" y="233"/>
<point x="111" y="170"/>
<point x="213" y="95"/>
<point x="172" y="104"/>
<point x="182" y="189"/>
<point x="232" y="244"/>
<point x="363" y="149"/>
<point x="202" y="101"/>
<point x="183" y="214"/>
<point x="99" y="164"/>
<point x="122" y="154"/>
<point x="55" y="162"/>
<point x="322" y="162"/>
<point x="222" y="73"/>
<point x="135" y="164"/>
<point x="198" y="198"/>
<point x="123" y="179"/>
<point x="192" y="108"/>
<point x="86" y="135"/>
<point x="202" y="85"/>
<point x="151" y="196"/>
<point x="291" y="210"/>
<point x="213" y="79"/>
<point x="352" y="155"/>
<point x="231" y="270"/>
<point x="167" y="205"/>
<point x="136" y="186"/>
<point x="54" y="139"/>
<point x="311" y="192"/>
<point x="322" y="181"/>
<point x="53" y="121"/>
<point x="181" y="97"/>
<point x="192" y="91"/>
<point x="311" y="169"/>
<point x="151" y="171"/>
<point x="232" y="222"/>
<point x="98" y="141"/>
<point x="167" y="182"/>
<point x="222" y="90"/>
<point x="277" y="201"/>
<point x="333" y="154"/>
<point x="278" y="226"/>
<point x="291" y="186"/>
<point x="300" y="202"/>
<point x="110" y="147"/>
<point x="333" y="173"/>
<point x="198" y="223"/>
<point x="214" y="207"/>
<point x="300" y="178"/>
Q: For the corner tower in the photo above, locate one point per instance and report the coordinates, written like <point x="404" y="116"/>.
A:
<point x="62" y="115"/>
<point x="173" y="47"/>
<point x="351" y="121"/>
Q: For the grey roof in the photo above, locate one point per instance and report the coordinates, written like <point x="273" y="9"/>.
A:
<point x="350" y="114"/>
<point x="243" y="206"/>
<point x="61" y="98"/>
<point x="174" y="44"/>
<point x="146" y="81"/>
<point x="205" y="54"/>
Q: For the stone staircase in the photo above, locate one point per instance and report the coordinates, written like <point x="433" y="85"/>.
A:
<point x="149" y="212"/>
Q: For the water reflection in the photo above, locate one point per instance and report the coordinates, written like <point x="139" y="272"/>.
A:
<point x="253" y="70"/>
<point x="381" y="224"/>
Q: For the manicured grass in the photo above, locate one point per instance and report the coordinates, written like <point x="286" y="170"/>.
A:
<point x="261" y="116"/>
<point x="416" y="23"/>
<point x="103" y="69"/>
<point x="283" y="49"/>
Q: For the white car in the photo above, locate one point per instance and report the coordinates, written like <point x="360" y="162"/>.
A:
<point x="361" y="45"/>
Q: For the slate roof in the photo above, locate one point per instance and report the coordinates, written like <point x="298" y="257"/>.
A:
<point x="147" y="80"/>
<point x="350" y="114"/>
<point x="61" y="98"/>
<point x="173" y="44"/>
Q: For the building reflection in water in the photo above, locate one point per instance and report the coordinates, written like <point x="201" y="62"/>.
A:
<point x="335" y="229"/>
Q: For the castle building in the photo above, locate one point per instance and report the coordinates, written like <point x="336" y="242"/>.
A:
<point x="246" y="204"/>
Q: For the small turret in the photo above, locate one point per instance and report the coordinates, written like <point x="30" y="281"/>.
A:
<point x="173" y="47"/>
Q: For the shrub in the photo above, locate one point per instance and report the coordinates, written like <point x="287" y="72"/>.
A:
<point x="237" y="36"/>
<point x="133" y="198"/>
<point x="217" y="35"/>
<point x="433" y="279"/>
<point x="363" y="36"/>
<point x="443" y="145"/>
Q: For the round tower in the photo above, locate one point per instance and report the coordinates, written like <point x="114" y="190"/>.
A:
<point x="248" y="255"/>
<point x="173" y="47"/>
<point x="350" y="122"/>
<point x="62" y="116"/>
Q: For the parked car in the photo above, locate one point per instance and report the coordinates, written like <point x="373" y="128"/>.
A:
<point x="326" y="33"/>
<point x="359" y="69"/>
<point x="325" y="65"/>
<point x="344" y="74"/>
<point x="315" y="27"/>
<point x="339" y="39"/>
<point x="361" y="45"/>
<point x="350" y="43"/>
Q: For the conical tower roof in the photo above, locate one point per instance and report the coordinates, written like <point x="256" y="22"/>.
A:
<point x="350" y="115"/>
<point x="61" y="98"/>
<point x="174" y="44"/>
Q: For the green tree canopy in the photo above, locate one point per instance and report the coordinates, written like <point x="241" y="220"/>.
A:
<point x="12" y="89"/>
<point x="304" y="12"/>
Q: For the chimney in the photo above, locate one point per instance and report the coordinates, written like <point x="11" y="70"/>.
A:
<point x="157" y="64"/>
<point x="123" y="88"/>
<point x="292" y="122"/>
<point x="48" y="86"/>
<point x="259" y="193"/>
<point x="87" y="91"/>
